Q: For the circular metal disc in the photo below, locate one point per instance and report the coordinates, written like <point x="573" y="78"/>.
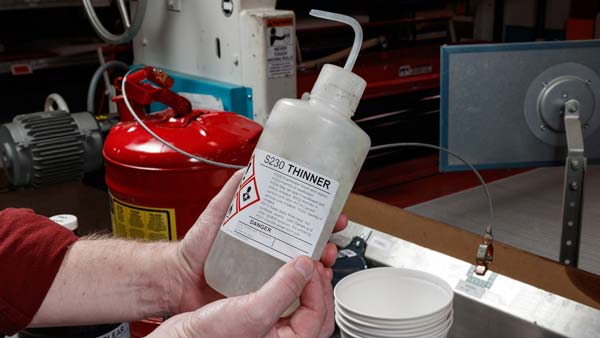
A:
<point x="547" y="94"/>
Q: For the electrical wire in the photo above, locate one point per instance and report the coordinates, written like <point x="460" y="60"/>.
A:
<point x="167" y="144"/>
<point x="431" y="146"/>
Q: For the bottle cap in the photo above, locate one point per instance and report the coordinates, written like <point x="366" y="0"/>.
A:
<point x="340" y="88"/>
<point x="337" y="86"/>
<point x="66" y="220"/>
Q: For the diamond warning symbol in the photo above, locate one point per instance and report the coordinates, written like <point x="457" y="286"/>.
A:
<point x="249" y="171"/>
<point x="248" y="194"/>
<point x="232" y="210"/>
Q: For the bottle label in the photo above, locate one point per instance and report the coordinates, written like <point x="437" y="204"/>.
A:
<point x="280" y="207"/>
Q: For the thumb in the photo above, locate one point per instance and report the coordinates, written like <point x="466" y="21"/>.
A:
<point x="253" y="315"/>
<point x="284" y="288"/>
<point x="216" y="209"/>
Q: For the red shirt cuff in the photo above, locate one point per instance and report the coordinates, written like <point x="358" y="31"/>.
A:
<point x="32" y="248"/>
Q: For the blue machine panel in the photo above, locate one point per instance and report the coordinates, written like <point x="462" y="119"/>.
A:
<point x="235" y="98"/>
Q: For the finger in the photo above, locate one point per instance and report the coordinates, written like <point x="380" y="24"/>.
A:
<point x="284" y="287"/>
<point x="254" y="315"/>
<point x="329" y="255"/>
<point x="329" y="323"/>
<point x="217" y="207"/>
<point x="329" y="273"/>
<point x="308" y="320"/>
<point x="341" y="224"/>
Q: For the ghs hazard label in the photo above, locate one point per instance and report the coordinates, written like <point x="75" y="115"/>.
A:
<point x="280" y="206"/>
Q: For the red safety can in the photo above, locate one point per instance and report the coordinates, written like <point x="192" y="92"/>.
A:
<point x="157" y="193"/>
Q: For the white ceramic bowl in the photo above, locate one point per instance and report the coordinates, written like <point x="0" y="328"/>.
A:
<point x="383" y="295"/>
<point x="434" y="331"/>
<point x="388" y="329"/>
<point x="393" y="325"/>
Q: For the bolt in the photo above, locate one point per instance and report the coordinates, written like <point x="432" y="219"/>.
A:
<point x="567" y="261"/>
<point x="573" y="185"/>
<point x="572" y="204"/>
<point x="572" y="106"/>
<point x="565" y="95"/>
<point x="542" y="127"/>
<point x="569" y="243"/>
<point x="249" y="96"/>
<point x="570" y="223"/>
<point x="574" y="164"/>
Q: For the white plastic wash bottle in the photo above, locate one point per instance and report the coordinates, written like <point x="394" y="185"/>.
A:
<point x="297" y="182"/>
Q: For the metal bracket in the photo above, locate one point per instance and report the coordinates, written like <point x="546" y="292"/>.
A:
<point x="575" y="166"/>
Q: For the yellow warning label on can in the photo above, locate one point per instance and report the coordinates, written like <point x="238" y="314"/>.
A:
<point x="140" y="222"/>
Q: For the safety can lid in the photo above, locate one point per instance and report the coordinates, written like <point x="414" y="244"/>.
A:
<point x="219" y="136"/>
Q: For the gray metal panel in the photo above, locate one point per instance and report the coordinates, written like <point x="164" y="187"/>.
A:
<point x="527" y="213"/>
<point x="486" y="91"/>
<point x="501" y="307"/>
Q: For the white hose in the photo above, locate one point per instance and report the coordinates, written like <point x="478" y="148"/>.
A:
<point x="53" y="99"/>
<point x="167" y="144"/>
<point x="358" y="34"/>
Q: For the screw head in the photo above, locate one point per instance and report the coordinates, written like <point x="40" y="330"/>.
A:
<point x="572" y="106"/>
<point x="573" y="185"/>
<point x="567" y="261"/>
<point x="542" y="127"/>
<point x="574" y="164"/>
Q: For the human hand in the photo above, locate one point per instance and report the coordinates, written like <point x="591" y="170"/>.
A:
<point x="192" y="290"/>
<point x="258" y="314"/>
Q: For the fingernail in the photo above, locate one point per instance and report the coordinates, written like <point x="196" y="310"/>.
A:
<point x="305" y="267"/>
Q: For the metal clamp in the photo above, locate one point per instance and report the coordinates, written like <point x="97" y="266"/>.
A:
<point x="485" y="252"/>
<point x="575" y="166"/>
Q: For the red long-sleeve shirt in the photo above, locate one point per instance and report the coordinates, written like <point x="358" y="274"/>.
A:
<point x="32" y="248"/>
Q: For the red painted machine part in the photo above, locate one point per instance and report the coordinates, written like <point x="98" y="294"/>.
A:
<point x="381" y="70"/>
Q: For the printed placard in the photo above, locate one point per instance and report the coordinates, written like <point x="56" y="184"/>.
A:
<point x="280" y="47"/>
<point x="283" y="207"/>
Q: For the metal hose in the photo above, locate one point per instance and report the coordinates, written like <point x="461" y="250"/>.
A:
<point x="130" y="30"/>
<point x="460" y="158"/>
<point x="91" y="95"/>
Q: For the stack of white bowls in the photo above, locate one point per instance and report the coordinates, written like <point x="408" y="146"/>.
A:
<point x="393" y="303"/>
